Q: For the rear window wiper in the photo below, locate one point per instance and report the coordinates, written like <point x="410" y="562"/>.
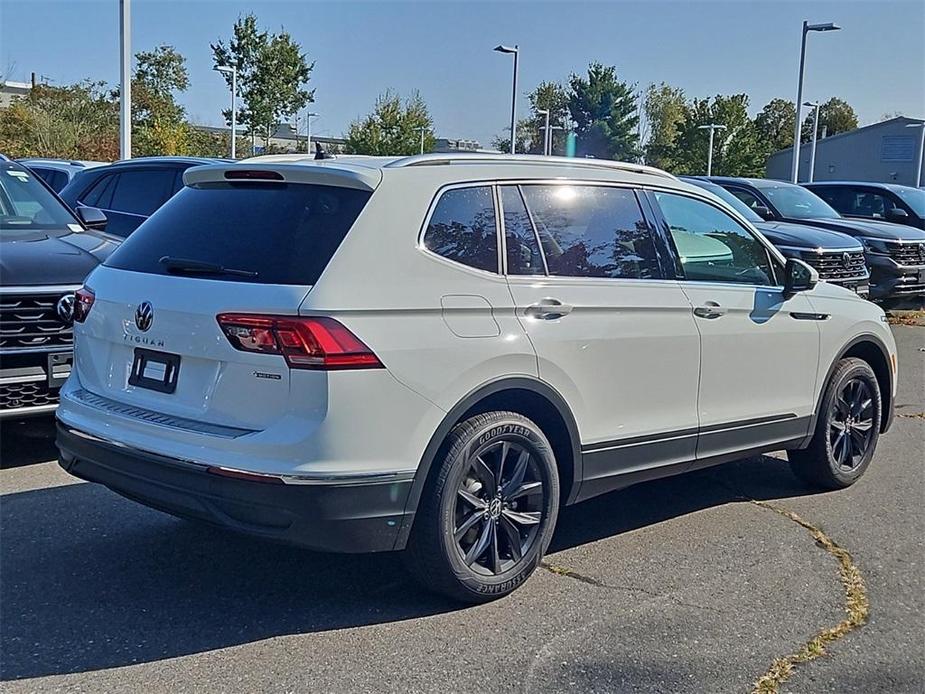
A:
<point x="193" y="267"/>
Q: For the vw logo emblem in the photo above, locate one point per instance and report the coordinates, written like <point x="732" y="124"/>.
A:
<point x="922" y="251"/>
<point x="144" y="316"/>
<point x="65" y="308"/>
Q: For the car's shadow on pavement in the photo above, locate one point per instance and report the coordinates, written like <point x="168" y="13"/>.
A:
<point x="92" y="581"/>
<point x="27" y="441"/>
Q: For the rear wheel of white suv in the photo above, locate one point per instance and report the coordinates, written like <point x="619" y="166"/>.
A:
<point x="847" y="429"/>
<point x="488" y="511"/>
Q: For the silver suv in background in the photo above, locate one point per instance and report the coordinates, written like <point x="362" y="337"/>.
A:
<point x="436" y="353"/>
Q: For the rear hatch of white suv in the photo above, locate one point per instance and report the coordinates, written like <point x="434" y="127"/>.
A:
<point x="194" y="320"/>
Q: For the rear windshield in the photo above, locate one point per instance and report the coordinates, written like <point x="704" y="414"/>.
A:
<point x="276" y="233"/>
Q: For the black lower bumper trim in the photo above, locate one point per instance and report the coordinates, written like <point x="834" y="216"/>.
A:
<point x="328" y="517"/>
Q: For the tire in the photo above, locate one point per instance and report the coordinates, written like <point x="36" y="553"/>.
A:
<point x="496" y="476"/>
<point x="847" y="429"/>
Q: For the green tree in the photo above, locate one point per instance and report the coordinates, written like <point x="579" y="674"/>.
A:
<point x="393" y="128"/>
<point x="78" y="121"/>
<point x="736" y="149"/>
<point x="835" y="116"/>
<point x="666" y="110"/>
<point x="273" y="74"/>
<point x="774" y="125"/>
<point x="159" y="124"/>
<point x="603" y="109"/>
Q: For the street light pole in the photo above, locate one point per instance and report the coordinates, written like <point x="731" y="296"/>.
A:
<point x="515" y="51"/>
<point x="812" y="151"/>
<point x="233" y="71"/>
<point x="918" y="168"/>
<point x="125" y="75"/>
<point x="308" y="130"/>
<point x="545" y="112"/>
<point x="807" y="27"/>
<point x="712" y="127"/>
<point x="422" y="128"/>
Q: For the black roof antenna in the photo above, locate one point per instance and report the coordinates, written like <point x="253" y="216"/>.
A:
<point x="320" y="153"/>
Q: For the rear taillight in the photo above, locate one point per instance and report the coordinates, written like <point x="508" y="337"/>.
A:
<point x="83" y="302"/>
<point x="313" y="342"/>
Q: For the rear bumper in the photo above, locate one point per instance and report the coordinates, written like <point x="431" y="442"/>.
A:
<point x="349" y="515"/>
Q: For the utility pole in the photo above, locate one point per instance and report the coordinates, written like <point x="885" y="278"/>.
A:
<point x="515" y="51"/>
<point x="711" y="127"/>
<point x="807" y="27"/>
<point x="125" y="74"/>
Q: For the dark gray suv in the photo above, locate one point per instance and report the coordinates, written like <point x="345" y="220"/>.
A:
<point x="895" y="253"/>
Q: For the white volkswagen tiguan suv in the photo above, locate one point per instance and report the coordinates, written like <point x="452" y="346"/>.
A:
<point x="435" y="353"/>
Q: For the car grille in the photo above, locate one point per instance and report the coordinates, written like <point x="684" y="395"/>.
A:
<point x="908" y="253"/>
<point x="837" y="265"/>
<point x="32" y="320"/>
<point x="33" y="394"/>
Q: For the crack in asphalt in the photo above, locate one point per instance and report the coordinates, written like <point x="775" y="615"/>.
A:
<point x="560" y="570"/>
<point x="857" y="607"/>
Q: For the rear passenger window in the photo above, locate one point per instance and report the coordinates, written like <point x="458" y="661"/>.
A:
<point x="462" y="228"/>
<point x="523" y="249"/>
<point x="592" y="231"/>
<point x="142" y="192"/>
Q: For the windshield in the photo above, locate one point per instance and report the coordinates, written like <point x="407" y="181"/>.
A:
<point x="796" y="202"/>
<point x="26" y="204"/>
<point x="913" y="197"/>
<point x="730" y="200"/>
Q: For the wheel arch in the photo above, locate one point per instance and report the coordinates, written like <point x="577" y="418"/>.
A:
<point x="527" y="396"/>
<point x="870" y="349"/>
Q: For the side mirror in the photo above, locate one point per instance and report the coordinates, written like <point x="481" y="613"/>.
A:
<point x="764" y="212"/>
<point x="92" y="218"/>
<point x="799" y="277"/>
<point x="897" y="213"/>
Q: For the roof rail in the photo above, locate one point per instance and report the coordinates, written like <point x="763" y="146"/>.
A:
<point x="529" y="159"/>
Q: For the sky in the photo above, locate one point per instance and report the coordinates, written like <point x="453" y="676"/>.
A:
<point x="443" y="50"/>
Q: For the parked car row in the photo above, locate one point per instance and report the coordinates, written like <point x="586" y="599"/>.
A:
<point x="111" y="201"/>
<point x="894" y="253"/>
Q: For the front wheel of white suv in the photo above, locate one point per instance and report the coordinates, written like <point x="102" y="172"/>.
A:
<point x="489" y="510"/>
<point x="847" y="429"/>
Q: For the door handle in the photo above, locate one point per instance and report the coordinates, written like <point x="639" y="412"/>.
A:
<point x="548" y="309"/>
<point x="710" y="309"/>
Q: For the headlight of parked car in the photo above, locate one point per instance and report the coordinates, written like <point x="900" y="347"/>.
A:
<point x="877" y="246"/>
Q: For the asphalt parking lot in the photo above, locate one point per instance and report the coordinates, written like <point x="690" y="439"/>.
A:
<point x="680" y="585"/>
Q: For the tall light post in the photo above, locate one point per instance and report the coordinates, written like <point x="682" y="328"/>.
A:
<point x="545" y="112"/>
<point x="807" y="27"/>
<point x="515" y="51"/>
<point x="125" y="79"/>
<point x="918" y="168"/>
<point x="712" y="127"/>
<point x="812" y="152"/>
<point x="308" y="129"/>
<point x="550" y="130"/>
<point x="233" y="71"/>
